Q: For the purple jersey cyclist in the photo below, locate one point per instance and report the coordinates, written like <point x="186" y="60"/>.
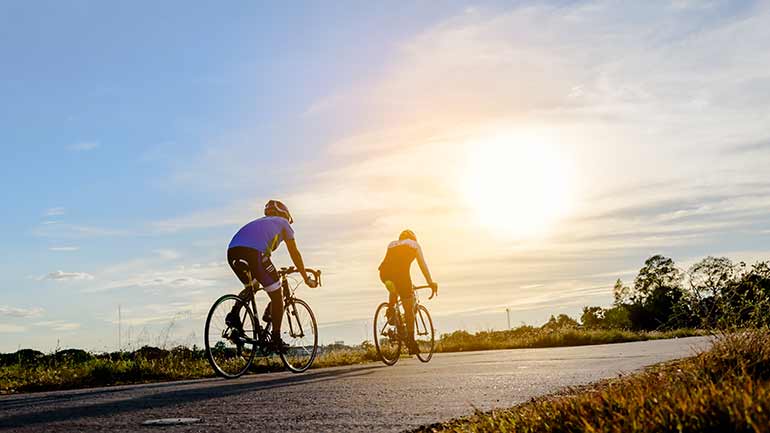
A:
<point x="250" y="249"/>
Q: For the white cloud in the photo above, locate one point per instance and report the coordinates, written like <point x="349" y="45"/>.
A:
<point x="20" y="312"/>
<point x="84" y="146"/>
<point x="54" y="211"/>
<point x="58" y="325"/>
<point x="66" y="276"/>
<point x="168" y="254"/>
<point x="54" y="229"/>
<point x="64" y="249"/>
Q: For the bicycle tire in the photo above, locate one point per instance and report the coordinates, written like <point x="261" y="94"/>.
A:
<point x="219" y="354"/>
<point x="288" y="328"/>
<point x="384" y="337"/>
<point x="420" y="314"/>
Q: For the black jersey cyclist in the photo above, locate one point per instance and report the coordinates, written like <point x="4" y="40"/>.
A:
<point x="251" y="248"/>
<point x="394" y="273"/>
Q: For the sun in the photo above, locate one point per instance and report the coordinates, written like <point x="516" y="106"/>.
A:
<point x="517" y="184"/>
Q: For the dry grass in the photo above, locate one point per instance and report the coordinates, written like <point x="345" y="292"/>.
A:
<point x="78" y="369"/>
<point x="724" y="390"/>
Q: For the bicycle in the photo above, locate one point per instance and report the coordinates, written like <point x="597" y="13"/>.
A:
<point x="390" y="335"/>
<point x="231" y="351"/>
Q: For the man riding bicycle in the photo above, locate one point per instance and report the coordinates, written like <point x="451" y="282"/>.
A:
<point x="250" y="249"/>
<point x="394" y="273"/>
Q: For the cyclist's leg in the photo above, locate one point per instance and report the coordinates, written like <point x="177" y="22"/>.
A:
<point x="235" y="258"/>
<point x="405" y="291"/>
<point x="408" y="303"/>
<point x="392" y="298"/>
<point x="267" y="275"/>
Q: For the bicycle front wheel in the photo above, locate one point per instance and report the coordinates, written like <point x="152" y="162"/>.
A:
<point x="230" y="351"/>
<point x="386" y="339"/>
<point x="300" y="332"/>
<point x="424" y="333"/>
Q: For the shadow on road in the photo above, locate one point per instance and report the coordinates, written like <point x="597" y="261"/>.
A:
<point x="211" y="390"/>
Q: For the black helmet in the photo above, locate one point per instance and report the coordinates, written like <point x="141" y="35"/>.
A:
<point x="407" y="234"/>
<point x="276" y="208"/>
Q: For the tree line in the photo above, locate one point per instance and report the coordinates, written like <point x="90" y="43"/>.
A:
<point x="712" y="293"/>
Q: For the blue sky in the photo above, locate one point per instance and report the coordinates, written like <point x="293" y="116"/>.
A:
<point x="136" y="138"/>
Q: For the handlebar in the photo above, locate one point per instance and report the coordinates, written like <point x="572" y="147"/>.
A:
<point x="427" y="286"/>
<point x="316" y="273"/>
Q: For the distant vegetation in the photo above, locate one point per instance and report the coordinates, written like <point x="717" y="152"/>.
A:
<point x="664" y="302"/>
<point x="726" y="389"/>
<point x="714" y="293"/>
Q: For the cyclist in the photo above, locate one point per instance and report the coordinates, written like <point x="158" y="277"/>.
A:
<point x="252" y="246"/>
<point x="394" y="273"/>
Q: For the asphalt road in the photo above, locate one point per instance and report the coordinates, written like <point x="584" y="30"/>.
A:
<point x="355" y="398"/>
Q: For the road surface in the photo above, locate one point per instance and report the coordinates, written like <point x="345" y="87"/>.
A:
<point x="353" y="398"/>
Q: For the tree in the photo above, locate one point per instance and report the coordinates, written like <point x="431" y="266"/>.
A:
<point x="593" y="317"/>
<point x="710" y="280"/>
<point x="617" y="317"/>
<point x="711" y="275"/>
<point x="560" y="322"/>
<point x="657" y="272"/>
<point x="621" y="293"/>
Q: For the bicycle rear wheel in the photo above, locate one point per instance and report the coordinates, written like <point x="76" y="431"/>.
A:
<point x="300" y="332"/>
<point x="386" y="339"/>
<point x="424" y="333"/>
<point x="229" y="351"/>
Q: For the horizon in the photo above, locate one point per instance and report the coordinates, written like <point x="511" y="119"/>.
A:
<point x="540" y="151"/>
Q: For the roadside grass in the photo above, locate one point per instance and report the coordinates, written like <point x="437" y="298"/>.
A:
<point x="30" y="371"/>
<point x="532" y="337"/>
<point x="724" y="389"/>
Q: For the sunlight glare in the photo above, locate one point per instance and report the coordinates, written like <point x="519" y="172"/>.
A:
<point x="518" y="183"/>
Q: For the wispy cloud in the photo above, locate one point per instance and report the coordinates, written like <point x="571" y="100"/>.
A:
<point x="68" y="276"/>
<point x="7" y="311"/>
<point x="83" y="146"/>
<point x="58" y="325"/>
<point x="54" y="211"/>
<point x="56" y="230"/>
<point x="64" y="249"/>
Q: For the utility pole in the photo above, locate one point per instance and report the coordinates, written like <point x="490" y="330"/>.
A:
<point x="508" y="315"/>
<point x="119" y="342"/>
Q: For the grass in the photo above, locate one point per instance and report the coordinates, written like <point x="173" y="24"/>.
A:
<point x="531" y="337"/>
<point x="29" y="371"/>
<point x="724" y="389"/>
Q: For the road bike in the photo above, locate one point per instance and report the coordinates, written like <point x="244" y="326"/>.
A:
<point x="231" y="351"/>
<point x="390" y="335"/>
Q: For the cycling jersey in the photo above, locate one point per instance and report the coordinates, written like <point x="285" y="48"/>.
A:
<point x="397" y="263"/>
<point x="263" y="234"/>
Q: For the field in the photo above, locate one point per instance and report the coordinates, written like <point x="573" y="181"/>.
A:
<point x="725" y="389"/>
<point x="29" y="371"/>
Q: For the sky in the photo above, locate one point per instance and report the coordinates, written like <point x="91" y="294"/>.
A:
<point x="540" y="151"/>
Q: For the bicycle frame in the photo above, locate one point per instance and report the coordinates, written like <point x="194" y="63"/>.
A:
<point x="288" y="298"/>
<point x="400" y="307"/>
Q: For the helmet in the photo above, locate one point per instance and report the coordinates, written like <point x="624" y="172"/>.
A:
<point x="407" y="234"/>
<point x="276" y="208"/>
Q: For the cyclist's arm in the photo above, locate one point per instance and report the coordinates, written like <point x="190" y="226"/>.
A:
<point x="296" y="257"/>
<point x="423" y="266"/>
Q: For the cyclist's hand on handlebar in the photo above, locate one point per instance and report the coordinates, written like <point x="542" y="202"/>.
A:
<point x="434" y="289"/>
<point x="310" y="280"/>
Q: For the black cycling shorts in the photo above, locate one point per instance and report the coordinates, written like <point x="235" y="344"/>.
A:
<point x="402" y="283"/>
<point x="262" y="269"/>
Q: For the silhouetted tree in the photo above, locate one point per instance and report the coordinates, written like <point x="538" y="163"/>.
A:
<point x="621" y="293"/>
<point x="658" y="271"/>
<point x="560" y="322"/>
